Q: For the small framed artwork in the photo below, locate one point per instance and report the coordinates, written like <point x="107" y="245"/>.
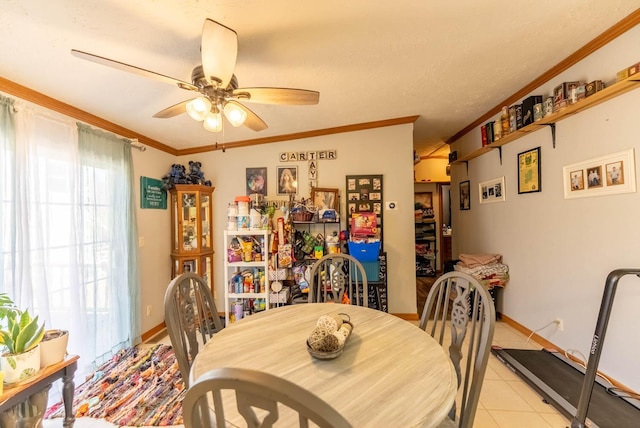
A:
<point x="256" y="179"/>
<point x="324" y="199"/>
<point x="465" y="195"/>
<point x="529" y="179"/>
<point x="594" y="177"/>
<point x="605" y="175"/>
<point x="492" y="191"/>
<point x="577" y="180"/>
<point x="287" y="180"/>
<point x="615" y="173"/>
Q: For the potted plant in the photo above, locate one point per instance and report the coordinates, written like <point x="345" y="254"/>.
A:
<point x="20" y="334"/>
<point x="53" y="347"/>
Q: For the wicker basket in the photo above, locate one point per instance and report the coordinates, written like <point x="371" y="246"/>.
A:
<point x="302" y="216"/>
<point x="277" y="275"/>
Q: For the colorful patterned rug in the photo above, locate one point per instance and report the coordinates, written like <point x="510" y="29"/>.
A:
<point x="138" y="387"/>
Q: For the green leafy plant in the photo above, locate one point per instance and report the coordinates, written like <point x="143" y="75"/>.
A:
<point x="19" y="332"/>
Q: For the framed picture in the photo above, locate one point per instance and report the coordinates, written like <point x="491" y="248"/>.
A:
<point x="465" y="195"/>
<point x="577" y="180"/>
<point x="324" y="199"/>
<point x="256" y="179"/>
<point x="287" y="180"/>
<point x="529" y="171"/>
<point x="605" y="175"/>
<point x="492" y="191"/>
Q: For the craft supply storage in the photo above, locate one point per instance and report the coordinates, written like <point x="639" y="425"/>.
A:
<point x="246" y="273"/>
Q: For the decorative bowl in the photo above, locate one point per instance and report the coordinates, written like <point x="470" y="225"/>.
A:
<point x="329" y="355"/>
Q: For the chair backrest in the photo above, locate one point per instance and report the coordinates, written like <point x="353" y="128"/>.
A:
<point x="254" y="390"/>
<point x="459" y="312"/>
<point x="336" y="274"/>
<point x="191" y="317"/>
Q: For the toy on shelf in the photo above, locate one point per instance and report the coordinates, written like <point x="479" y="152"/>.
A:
<point x="178" y="175"/>
<point x="196" y="176"/>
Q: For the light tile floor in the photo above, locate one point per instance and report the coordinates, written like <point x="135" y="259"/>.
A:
<point x="506" y="401"/>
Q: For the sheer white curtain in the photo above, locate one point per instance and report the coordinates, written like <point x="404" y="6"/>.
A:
<point x="68" y="231"/>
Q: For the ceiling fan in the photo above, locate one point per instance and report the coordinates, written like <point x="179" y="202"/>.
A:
<point x="216" y="83"/>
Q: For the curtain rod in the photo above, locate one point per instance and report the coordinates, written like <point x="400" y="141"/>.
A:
<point x="137" y="144"/>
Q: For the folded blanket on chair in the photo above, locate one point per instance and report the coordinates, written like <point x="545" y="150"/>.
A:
<point x="473" y="260"/>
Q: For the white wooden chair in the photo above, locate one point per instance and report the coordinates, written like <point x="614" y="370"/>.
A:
<point x="459" y="312"/>
<point x="336" y="274"/>
<point x="191" y="317"/>
<point x="254" y="390"/>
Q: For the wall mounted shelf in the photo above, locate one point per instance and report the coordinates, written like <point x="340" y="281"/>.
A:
<point x="606" y="94"/>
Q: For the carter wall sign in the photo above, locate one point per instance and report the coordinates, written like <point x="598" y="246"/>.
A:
<point x="308" y="156"/>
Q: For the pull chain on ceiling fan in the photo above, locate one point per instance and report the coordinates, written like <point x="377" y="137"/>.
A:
<point x="216" y="83"/>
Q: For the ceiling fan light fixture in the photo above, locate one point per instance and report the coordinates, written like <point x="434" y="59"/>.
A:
<point x="234" y="114"/>
<point x="198" y="108"/>
<point x="213" y="122"/>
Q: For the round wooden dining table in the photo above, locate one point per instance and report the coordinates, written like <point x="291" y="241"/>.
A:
<point x="390" y="374"/>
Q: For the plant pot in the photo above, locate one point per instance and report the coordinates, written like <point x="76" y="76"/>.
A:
<point x="19" y="367"/>
<point x="53" y="347"/>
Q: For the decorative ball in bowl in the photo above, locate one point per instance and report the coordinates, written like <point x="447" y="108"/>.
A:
<point x="328" y="338"/>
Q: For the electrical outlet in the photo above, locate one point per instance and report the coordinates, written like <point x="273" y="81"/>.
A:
<point x="148" y="310"/>
<point x="559" y="324"/>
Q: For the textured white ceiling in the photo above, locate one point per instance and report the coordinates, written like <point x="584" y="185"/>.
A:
<point x="448" y="62"/>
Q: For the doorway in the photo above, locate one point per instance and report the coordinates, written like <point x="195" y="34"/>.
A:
<point x="442" y="210"/>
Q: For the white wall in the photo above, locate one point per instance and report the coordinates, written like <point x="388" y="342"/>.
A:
<point x="154" y="261"/>
<point x="559" y="251"/>
<point x="387" y="151"/>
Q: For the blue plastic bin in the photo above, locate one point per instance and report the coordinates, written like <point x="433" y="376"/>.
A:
<point x="371" y="270"/>
<point x="365" y="252"/>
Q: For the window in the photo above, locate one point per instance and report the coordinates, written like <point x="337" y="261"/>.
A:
<point x="67" y="227"/>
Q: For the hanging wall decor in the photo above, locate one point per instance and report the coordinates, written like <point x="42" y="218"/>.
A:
<point x="529" y="179"/>
<point x="465" y="195"/>
<point x="605" y="175"/>
<point x="287" y="180"/>
<point x="492" y="191"/>
<point x="256" y="179"/>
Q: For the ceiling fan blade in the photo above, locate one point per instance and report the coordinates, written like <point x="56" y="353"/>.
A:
<point x="132" y="69"/>
<point x="172" y="111"/>
<point x="219" y="50"/>
<point x="278" y="96"/>
<point x="252" y="121"/>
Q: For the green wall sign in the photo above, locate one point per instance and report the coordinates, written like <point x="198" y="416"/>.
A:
<point x="151" y="194"/>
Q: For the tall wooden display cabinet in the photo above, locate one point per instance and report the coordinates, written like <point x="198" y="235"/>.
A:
<point x="192" y="231"/>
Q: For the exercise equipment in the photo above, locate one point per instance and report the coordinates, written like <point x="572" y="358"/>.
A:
<point x="574" y="391"/>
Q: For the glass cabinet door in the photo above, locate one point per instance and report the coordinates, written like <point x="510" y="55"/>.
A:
<point x="175" y="239"/>
<point x="205" y="202"/>
<point x="190" y="239"/>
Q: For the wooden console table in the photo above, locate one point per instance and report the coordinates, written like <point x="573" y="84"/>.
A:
<point x="65" y="369"/>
